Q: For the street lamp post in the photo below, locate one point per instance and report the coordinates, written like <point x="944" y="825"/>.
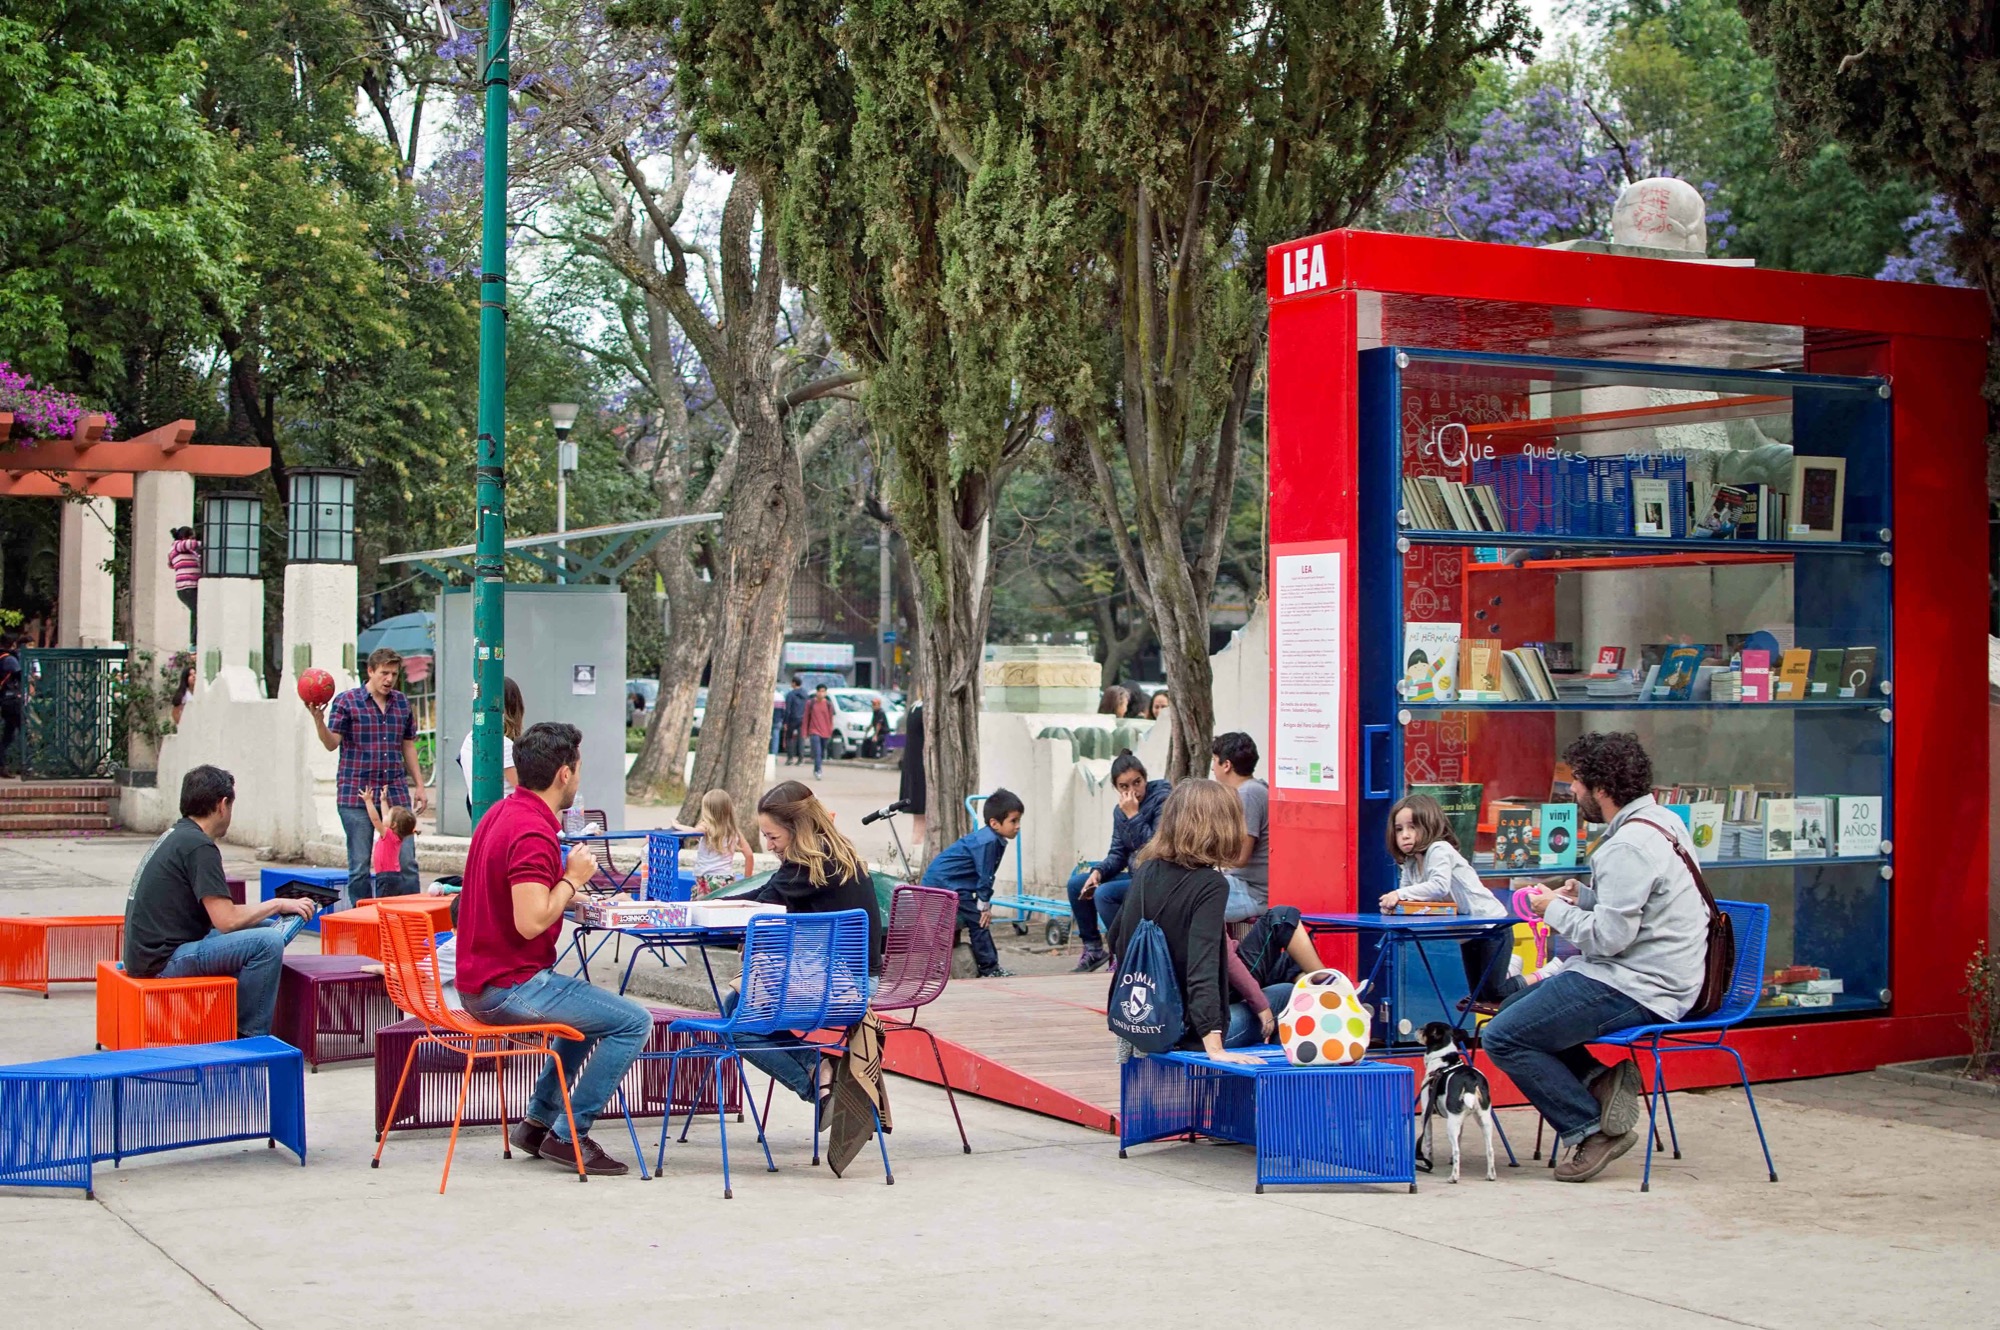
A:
<point x="489" y="587"/>
<point x="563" y="415"/>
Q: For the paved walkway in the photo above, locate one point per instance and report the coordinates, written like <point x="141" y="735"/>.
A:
<point x="1881" y="1220"/>
<point x="1889" y="1100"/>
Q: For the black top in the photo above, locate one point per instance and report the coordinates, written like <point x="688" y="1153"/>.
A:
<point x="164" y="908"/>
<point x="791" y="886"/>
<point x="913" y="791"/>
<point x="1188" y="905"/>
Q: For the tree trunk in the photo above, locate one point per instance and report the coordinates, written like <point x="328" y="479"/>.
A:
<point x="658" y="771"/>
<point x="951" y="628"/>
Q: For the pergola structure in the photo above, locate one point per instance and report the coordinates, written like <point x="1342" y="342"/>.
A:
<point x="155" y="471"/>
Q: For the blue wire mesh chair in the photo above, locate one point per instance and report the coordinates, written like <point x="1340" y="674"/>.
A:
<point x="1708" y="1035"/>
<point x="801" y="973"/>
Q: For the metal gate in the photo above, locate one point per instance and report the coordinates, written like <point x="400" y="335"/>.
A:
<point x="72" y="711"/>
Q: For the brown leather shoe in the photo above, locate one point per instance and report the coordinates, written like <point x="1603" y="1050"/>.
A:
<point x="1584" y="1163"/>
<point x="1617" y="1090"/>
<point x="596" y="1163"/>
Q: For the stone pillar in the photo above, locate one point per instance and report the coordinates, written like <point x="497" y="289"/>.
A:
<point x="84" y="590"/>
<point x="1049" y="679"/>
<point x="161" y="501"/>
<point x="320" y="618"/>
<point x="229" y="645"/>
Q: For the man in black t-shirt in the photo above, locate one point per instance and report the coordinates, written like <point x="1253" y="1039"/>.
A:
<point x="180" y="921"/>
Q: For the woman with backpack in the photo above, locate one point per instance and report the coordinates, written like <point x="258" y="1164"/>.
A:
<point x="1174" y="910"/>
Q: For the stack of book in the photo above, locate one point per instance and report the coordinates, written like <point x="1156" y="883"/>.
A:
<point x="1802" y="986"/>
<point x="1438" y="503"/>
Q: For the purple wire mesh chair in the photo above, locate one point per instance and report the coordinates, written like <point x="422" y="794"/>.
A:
<point x="916" y="966"/>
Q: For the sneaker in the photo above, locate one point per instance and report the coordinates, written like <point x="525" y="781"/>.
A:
<point x="1092" y="960"/>
<point x="527" y="1137"/>
<point x="1592" y="1155"/>
<point x="997" y="972"/>
<point x="1617" y="1089"/>
<point x="596" y="1163"/>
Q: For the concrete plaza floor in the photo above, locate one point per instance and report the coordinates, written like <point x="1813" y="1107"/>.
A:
<point x="1880" y="1220"/>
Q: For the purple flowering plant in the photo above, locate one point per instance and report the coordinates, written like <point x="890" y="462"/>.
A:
<point x="40" y="412"/>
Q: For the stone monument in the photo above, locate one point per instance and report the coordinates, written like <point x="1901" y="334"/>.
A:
<point x="1044" y="679"/>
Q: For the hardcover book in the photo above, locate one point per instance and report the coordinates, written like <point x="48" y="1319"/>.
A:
<point x="1705" y="829"/>
<point x="1479" y="670"/>
<point x="1461" y="809"/>
<point x="1559" y="835"/>
<point x="1857" y="671"/>
<point x="1778" y="828"/>
<point x="1860" y="833"/>
<point x="1756" y="675"/>
<point x="1811" y="834"/>
<point x="1824" y="683"/>
<point x="1651" y="504"/>
<point x="1819" y="493"/>
<point x="1430" y="662"/>
<point x="1677" y="674"/>
<point x="1516" y="840"/>
<point x="1794" y="675"/>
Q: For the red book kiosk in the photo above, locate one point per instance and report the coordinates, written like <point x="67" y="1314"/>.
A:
<point x="1475" y="448"/>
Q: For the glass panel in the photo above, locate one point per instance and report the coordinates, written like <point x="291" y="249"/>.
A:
<point x="1597" y="451"/>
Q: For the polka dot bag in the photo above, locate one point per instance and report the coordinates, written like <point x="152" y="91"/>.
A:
<point x="1323" y="1023"/>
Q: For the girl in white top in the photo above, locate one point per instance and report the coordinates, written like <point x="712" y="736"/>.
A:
<point x="1432" y="869"/>
<point x="513" y="714"/>
<point x="722" y="840"/>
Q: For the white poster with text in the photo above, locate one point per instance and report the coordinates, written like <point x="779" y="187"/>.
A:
<point x="1306" y="665"/>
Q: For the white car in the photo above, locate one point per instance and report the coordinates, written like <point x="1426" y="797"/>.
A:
<point x="853" y="712"/>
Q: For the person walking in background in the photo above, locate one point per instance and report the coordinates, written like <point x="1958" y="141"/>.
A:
<point x="795" y="721"/>
<point x="912" y="789"/>
<point x="375" y="733"/>
<point x="819" y="728"/>
<point x="967" y="865"/>
<point x="13" y="705"/>
<point x="184" y="557"/>
<point x="1097" y="892"/>
<point x="513" y="719"/>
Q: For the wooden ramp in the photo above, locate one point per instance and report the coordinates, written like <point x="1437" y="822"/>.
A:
<point x="1035" y="1043"/>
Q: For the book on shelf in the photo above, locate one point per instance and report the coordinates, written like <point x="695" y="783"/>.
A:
<point x="1538" y="684"/>
<point x="1559" y="781"/>
<point x="1857" y="671"/>
<point x="1810" y="831"/>
<point x="1794" y="675"/>
<point x="1610" y="660"/>
<point x="1823" y="684"/>
<point x="1724" y="514"/>
<point x="1726" y="686"/>
<point x="1797" y="974"/>
<point x="1742" y="803"/>
<point x="1652" y="506"/>
<point x="1560" y="657"/>
<point x="1819" y="493"/>
<point x="1859" y="828"/>
<point x="1488" y="500"/>
<point x="1705" y="830"/>
<point x="1460" y="803"/>
<point x="1677" y="674"/>
<point x="1756" y="675"/>
<point x="1479" y="670"/>
<point x="1685" y="813"/>
<point x="1516" y="838"/>
<point x="1430" y="662"/>
<point x="1558" y="828"/>
<point x="1815" y="986"/>
<point x="1778" y="828"/>
<point x="1455" y="504"/>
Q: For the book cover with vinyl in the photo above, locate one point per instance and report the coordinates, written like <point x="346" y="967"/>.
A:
<point x="1558" y="835"/>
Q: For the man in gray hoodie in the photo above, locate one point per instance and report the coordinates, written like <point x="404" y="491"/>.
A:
<point x="1642" y="928"/>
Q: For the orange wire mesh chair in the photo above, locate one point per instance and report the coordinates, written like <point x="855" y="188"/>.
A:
<point x="409" y="968"/>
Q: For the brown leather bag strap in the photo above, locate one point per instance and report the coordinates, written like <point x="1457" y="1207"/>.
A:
<point x="1700" y="882"/>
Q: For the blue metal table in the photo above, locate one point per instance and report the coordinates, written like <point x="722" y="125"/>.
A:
<point x="655" y="940"/>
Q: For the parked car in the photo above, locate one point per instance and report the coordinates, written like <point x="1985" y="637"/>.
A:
<point x="853" y="710"/>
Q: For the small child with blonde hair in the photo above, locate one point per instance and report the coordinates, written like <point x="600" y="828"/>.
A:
<point x="722" y="840"/>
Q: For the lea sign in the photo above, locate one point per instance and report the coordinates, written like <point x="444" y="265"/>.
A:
<point x="1304" y="269"/>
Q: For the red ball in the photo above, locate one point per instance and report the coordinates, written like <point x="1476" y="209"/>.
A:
<point x="316" y="687"/>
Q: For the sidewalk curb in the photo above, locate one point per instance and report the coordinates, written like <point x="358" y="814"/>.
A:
<point x="1940" y="1074"/>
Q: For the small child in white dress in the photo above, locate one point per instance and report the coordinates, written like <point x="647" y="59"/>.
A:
<point x="722" y="841"/>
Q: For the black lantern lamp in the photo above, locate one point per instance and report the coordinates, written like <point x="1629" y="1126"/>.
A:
<point x="231" y="531"/>
<point x="321" y="515"/>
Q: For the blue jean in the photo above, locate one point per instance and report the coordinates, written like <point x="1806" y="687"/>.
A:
<point x="614" y="1029"/>
<point x="1244" y="1029"/>
<point x="984" y="954"/>
<point x="819" y="753"/>
<point x="1088" y="910"/>
<point x="360" y="829"/>
<point x="254" y="956"/>
<point x="1539" y="1039"/>
<point x="797" y="1069"/>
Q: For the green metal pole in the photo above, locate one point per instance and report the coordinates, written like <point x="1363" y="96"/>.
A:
<point x="489" y="607"/>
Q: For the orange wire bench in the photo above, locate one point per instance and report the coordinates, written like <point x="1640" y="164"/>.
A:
<point x="409" y="968"/>
<point x="35" y="953"/>
<point x="150" y="1013"/>
<point x="358" y="932"/>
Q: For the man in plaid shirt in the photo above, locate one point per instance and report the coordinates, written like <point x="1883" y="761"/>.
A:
<point x="375" y="733"/>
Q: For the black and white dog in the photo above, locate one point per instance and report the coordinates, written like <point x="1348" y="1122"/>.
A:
<point x="1453" y="1087"/>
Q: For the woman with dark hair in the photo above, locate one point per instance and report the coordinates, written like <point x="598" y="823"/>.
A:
<point x="912" y="793"/>
<point x="819" y="872"/>
<point x="1115" y="702"/>
<point x="513" y="719"/>
<point x="1096" y="892"/>
<point x="182" y="691"/>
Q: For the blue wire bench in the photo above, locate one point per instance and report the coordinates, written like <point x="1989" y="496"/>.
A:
<point x="61" y="1117"/>
<point x="1348" y="1125"/>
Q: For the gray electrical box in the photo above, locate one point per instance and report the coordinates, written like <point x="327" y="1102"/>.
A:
<point x="566" y="651"/>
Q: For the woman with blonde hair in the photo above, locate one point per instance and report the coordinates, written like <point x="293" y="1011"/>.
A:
<point x="1178" y="884"/>
<point x="819" y="872"/>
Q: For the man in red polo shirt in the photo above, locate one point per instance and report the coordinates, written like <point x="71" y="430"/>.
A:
<point x="509" y="917"/>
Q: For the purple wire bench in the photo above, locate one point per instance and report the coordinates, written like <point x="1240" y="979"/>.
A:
<point x="61" y="1117"/>
<point x="1348" y="1126"/>
<point x="329" y="1007"/>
